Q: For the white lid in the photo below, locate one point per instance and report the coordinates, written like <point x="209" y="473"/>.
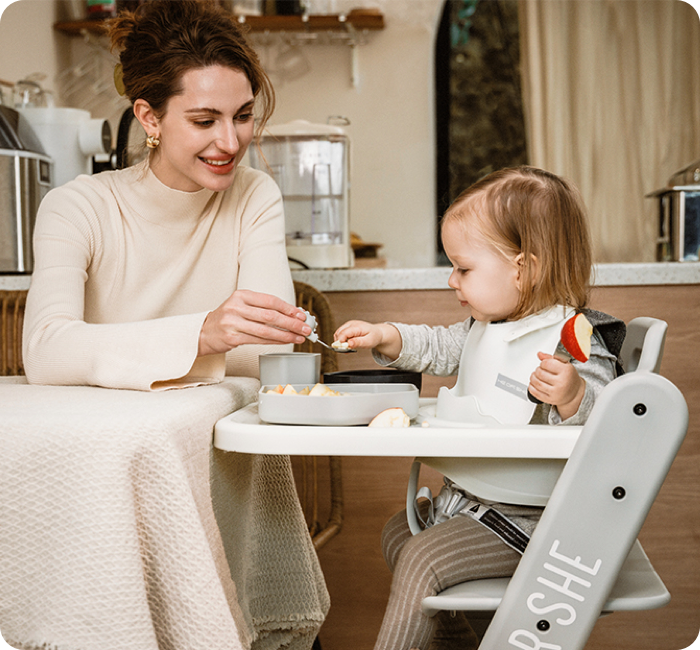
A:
<point x="302" y="128"/>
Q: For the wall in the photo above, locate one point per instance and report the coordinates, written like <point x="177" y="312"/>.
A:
<point x="27" y="45"/>
<point x="391" y="110"/>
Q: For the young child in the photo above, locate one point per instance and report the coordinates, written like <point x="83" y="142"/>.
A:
<point x="519" y="246"/>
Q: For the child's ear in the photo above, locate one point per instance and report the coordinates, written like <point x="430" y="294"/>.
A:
<point x="533" y="272"/>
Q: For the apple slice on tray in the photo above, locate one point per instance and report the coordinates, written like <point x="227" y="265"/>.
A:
<point x="574" y="342"/>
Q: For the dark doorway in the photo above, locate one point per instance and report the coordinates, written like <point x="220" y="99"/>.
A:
<point x="479" y="112"/>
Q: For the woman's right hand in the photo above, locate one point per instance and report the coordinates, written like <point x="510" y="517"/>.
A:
<point x="250" y="317"/>
<point x="383" y="337"/>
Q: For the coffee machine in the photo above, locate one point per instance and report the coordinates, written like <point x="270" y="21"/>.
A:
<point x="679" y="216"/>
<point x="71" y="137"/>
<point x="310" y="163"/>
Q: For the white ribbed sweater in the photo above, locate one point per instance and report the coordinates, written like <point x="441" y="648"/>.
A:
<point x="126" y="270"/>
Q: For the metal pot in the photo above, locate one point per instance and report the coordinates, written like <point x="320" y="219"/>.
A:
<point x="25" y="178"/>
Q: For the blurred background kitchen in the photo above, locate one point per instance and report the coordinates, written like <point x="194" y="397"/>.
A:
<point x="432" y="95"/>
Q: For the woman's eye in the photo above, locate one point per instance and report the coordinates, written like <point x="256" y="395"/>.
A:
<point x="204" y="123"/>
<point x="244" y="117"/>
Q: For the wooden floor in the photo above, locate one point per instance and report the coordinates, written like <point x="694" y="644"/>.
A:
<point x="375" y="488"/>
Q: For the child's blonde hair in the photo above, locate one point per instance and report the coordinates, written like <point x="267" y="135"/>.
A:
<point x="529" y="211"/>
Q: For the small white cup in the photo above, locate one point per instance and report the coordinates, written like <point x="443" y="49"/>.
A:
<point x="289" y="368"/>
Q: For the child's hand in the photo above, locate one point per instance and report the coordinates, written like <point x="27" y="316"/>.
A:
<point x="360" y="334"/>
<point x="556" y="382"/>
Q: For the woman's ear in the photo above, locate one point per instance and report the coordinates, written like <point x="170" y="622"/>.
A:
<point x="145" y="115"/>
<point x="533" y="272"/>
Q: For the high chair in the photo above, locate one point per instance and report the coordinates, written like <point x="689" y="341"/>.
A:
<point x="583" y="558"/>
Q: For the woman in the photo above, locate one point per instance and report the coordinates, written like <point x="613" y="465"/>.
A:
<point x="172" y="272"/>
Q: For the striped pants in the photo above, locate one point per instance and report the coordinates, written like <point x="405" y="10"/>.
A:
<point x="454" y="551"/>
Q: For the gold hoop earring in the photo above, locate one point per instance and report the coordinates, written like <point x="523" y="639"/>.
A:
<point x="152" y="142"/>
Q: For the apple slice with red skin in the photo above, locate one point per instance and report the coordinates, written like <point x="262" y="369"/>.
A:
<point x="576" y="340"/>
<point x="576" y="337"/>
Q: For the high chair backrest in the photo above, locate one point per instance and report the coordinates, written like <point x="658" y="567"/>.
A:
<point x="593" y="517"/>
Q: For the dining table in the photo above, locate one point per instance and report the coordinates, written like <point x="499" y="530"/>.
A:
<point x="122" y="527"/>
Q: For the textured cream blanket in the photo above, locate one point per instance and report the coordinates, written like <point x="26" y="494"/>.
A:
<point x="122" y="527"/>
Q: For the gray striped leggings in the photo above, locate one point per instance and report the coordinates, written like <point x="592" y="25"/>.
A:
<point x="454" y="551"/>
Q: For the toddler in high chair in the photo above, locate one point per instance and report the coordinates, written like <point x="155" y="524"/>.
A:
<point x="520" y="251"/>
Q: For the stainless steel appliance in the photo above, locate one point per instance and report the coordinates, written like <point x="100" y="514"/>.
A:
<point x="25" y="177"/>
<point x="679" y="217"/>
<point x="310" y="163"/>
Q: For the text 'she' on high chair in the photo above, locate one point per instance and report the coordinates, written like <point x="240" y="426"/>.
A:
<point x="584" y="559"/>
<point x="317" y="475"/>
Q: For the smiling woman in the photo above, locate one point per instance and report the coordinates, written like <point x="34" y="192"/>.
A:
<point x="205" y="131"/>
<point x="172" y="272"/>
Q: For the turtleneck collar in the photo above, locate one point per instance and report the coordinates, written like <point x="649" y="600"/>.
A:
<point x="160" y="204"/>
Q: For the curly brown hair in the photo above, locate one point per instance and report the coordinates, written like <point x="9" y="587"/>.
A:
<point x="533" y="212"/>
<point x="163" y="39"/>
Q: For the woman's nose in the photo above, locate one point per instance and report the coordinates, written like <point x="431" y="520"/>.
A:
<point x="228" y="139"/>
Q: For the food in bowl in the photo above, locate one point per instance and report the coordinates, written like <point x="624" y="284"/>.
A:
<point x="318" y="390"/>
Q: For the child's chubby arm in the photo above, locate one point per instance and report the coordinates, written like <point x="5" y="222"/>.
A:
<point x="384" y="338"/>
<point x="557" y="382"/>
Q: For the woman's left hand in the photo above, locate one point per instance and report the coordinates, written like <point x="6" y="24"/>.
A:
<point x="557" y="382"/>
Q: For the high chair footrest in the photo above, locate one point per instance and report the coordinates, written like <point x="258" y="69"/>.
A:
<point x="638" y="587"/>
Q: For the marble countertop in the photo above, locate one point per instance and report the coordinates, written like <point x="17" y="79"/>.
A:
<point x="604" y="275"/>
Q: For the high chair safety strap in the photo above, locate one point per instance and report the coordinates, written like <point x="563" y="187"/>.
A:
<point x="453" y="501"/>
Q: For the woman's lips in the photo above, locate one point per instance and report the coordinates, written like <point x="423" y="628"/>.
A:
<point x="219" y="166"/>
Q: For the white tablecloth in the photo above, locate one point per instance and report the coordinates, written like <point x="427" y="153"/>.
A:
<point x="121" y="526"/>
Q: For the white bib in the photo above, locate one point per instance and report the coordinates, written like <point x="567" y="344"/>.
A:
<point x="498" y="359"/>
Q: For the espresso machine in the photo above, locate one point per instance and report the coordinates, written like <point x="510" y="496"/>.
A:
<point x="310" y="163"/>
<point x="679" y="216"/>
<point x="71" y="136"/>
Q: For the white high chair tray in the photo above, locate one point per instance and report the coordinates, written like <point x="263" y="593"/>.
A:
<point x="243" y="431"/>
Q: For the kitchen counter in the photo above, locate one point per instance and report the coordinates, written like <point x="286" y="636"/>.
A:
<point x="605" y="275"/>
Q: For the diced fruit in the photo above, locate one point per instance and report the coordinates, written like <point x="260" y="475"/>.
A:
<point x="318" y="390"/>
<point x="322" y="390"/>
<point x="394" y="417"/>
<point x="576" y="337"/>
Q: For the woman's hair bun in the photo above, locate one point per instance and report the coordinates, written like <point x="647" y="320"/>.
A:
<point x="119" y="29"/>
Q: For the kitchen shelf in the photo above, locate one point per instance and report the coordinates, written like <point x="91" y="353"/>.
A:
<point x="79" y="27"/>
<point x="357" y="19"/>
